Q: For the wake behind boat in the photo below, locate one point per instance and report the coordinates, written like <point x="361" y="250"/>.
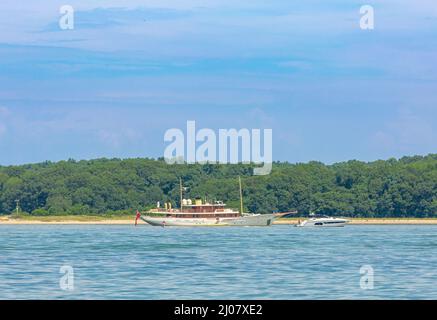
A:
<point x="203" y="213"/>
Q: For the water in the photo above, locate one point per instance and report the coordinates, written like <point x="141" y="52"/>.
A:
<point x="279" y="262"/>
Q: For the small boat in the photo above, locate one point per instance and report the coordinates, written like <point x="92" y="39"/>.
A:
<point x="323" y="221"/>
<point x="204" y="213"/>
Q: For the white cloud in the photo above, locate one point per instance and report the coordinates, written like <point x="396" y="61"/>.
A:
<point x="407" y="133"/>
<point x="4" y="112"/>
<point x="259" y="118"/>
<point x="2" y="129"/>
<point x="116" y="138"/>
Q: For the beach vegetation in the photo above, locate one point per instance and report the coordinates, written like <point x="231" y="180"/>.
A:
<point x="405" y="187"/>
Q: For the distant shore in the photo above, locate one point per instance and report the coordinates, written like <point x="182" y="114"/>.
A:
<point x="127" y="220"/>
<point x="68" y="220"/>
<point x="373" y="221"/>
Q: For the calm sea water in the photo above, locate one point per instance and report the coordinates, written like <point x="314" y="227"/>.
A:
<point x="279" y="262"/>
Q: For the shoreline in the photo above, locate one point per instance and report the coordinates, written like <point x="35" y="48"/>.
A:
<point x="373" y="221"/>
<point x="95" y="220"/>
<point x="68" y="220"/>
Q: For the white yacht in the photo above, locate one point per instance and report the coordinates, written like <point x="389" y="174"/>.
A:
<point x="203" y="213"/>
<point x="323" y="222"/>
<point x="206" y="214"/>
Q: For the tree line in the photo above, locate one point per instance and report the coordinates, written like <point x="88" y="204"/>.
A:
<point x="405" y="187"/>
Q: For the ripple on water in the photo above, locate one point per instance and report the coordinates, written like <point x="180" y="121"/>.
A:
<point x="280" y="262"/>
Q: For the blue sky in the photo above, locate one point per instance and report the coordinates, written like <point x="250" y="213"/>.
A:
<point x="129" y="71"/>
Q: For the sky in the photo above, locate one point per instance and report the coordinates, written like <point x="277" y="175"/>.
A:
<point x="130" y="70"/>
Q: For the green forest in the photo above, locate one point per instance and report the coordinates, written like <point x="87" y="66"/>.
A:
<point x="405" y="187"/>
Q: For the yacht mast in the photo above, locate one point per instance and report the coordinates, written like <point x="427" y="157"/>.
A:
<point x="241" y="195"/>
<point x="181" y="191"/>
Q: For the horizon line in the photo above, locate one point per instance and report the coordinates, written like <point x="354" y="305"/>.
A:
<point x="161" y="159"/>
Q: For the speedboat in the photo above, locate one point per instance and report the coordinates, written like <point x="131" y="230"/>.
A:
<point x="323" y="222"/>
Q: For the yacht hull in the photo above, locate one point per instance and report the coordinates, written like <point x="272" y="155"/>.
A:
<point x="259" y="220"/>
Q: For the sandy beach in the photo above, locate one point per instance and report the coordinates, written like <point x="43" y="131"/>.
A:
<point x="68" y="220"/>
<point x="373" y="221"/>
<point x="94" y="220"/>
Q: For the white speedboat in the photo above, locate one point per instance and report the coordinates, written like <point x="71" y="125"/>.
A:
<point x="323" y="222"/>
